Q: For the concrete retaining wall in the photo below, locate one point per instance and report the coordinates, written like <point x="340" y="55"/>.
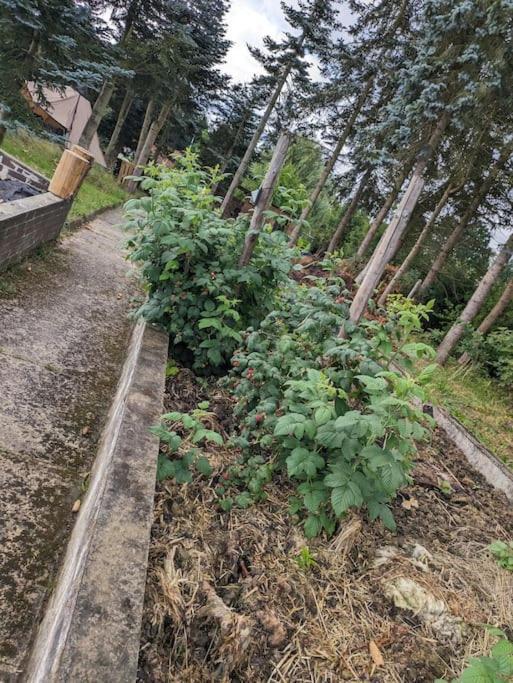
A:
<point x="13" y="168"/>
<point x="27" y="223"/>
<point x="91" y="629"/>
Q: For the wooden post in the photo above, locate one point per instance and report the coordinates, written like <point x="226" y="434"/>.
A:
<point x="265" y="196"/>
<point x="127" y="168"/>
<point x="69" y="174"/>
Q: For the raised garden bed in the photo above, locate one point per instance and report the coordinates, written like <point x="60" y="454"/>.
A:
<point x="243" y="596"/>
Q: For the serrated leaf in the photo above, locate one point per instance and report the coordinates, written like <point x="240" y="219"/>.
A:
<point x="312" y="526"/>
<point x="203" y="466"/>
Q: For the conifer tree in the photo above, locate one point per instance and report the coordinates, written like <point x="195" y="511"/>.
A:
<point x="456" y="77"/>
<point x="313" y="20"/>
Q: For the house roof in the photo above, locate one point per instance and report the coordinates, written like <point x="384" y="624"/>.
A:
<point x="69" y="109"/>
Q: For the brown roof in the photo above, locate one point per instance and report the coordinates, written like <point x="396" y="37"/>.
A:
<point x="70" y="110"/>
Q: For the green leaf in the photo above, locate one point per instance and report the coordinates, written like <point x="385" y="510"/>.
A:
<point x="341" y="500"/>
<point x="313" y="526"/>
<point x="165" y="468"/>
<point x="204" y="323"/>
<point x="207" y="435"/>
<point x="203" y="466"/>
<point x="323" y="414"/>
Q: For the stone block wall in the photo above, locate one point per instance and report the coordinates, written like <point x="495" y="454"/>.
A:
<point x="27" y="223"/>
<point x="13" y="168"/>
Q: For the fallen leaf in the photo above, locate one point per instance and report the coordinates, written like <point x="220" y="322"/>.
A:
<point x="375" y="653"/>
<point x="76" y="505"/>
<point x="410" y="503"/>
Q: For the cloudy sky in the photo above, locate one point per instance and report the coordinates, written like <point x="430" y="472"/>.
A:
<point x="248" y="22"/>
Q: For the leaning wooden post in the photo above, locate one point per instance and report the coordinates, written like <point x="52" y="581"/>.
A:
<point x="71" y="170"/>
<point x="265" y="196"/>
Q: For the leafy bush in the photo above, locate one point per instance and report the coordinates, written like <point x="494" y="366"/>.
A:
<point x="493" y="353"/>
<point x="339" y="422"/>
<point x="181" y="434"/>
<point x="189" y="257"/>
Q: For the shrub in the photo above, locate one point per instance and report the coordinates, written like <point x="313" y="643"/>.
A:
<point x="189" y="257"/>
<point x="493" y="353"/>
<point x="338" y="421"/>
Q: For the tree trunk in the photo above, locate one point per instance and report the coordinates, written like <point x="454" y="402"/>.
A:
<point x="265" y="197"/>
<point x="99" y="110"/>
<point x="465" y="219"/>
<point x="243" y="166"/>
<point x="418" y="244"/>
<point x="231" y="149"/>
<point x="108" y="86"/>
<point x="397" y="225"/>
<point x="153" y="132"/>
<point x="328" y="168"/>
<point x="475" y="302"/>
<point x="127" y="102"/>
<point x="493" y="316"/>
<point x="348" y="214"/>
<point x="143" y="134"/>
<point x="382" y="213"/>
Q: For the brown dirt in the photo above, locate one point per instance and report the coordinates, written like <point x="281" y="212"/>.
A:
<point x="227" y="599"/>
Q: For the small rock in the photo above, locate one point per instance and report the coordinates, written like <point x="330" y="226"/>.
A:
<point x="76" y="505"/>
<point x="86" y="430"/>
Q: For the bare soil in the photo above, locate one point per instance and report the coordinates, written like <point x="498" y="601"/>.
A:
<point x="228" y="598"/>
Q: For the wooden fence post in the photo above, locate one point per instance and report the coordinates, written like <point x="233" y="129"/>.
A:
<point x="70" y="173"/>
<point x="265" y="196"/>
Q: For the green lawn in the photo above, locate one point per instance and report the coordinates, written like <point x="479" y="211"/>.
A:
<point x="479" y="403"/>
<point x="100" y="190"/>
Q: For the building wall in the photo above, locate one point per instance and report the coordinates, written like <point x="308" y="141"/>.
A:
<point x="27" y="223"/>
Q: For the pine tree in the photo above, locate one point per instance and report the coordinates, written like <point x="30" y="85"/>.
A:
<point x="475" y="302"/>
<point x="51" y="44"/>
<point x="353" y="71"/>
<point x="456" y="77"/>
<point x="313" y="20"/>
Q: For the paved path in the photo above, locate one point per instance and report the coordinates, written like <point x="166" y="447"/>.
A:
<point x="62" y="344"/>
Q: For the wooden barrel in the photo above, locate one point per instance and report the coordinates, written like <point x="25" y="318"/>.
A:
<point x="69" y="174"/>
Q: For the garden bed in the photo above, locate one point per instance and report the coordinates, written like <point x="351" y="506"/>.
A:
<point x="243" y="596"/>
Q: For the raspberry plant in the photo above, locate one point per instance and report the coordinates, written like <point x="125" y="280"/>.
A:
<point x="340" y="422"/>
<point x="189" y="258"/>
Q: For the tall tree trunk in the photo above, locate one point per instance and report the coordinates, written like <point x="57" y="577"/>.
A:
<point x="127" y="102"/>
<point x="397" y="225"/>
<point x="265" y="197"/>
<point x="328" y="168"/>
<point x="494" y="315"/>
<point x="382" y="213"/>
<point x="108" y="86"/>
<point x="475" y="302"/>
<point x="231" y="149"/>
<point x="243" y="166"/>
<point x="348" y="214"/>
<point x="99" y="110"/>
<point x="153" y="132"/>
<point x="418" y="244"/>
<point x="455" y="235"/>
<point x="143" y="134"/>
